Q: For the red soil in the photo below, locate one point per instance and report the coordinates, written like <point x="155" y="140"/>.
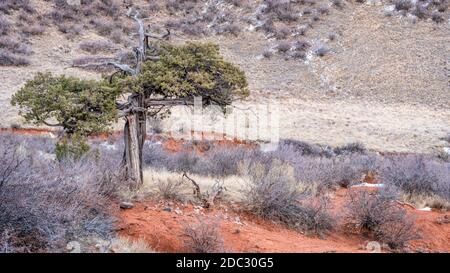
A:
<point x="168" y="141"/>
<point x="164" y="230"/>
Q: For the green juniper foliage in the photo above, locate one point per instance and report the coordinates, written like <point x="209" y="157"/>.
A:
<point x="191" y="69"/>
<point x="80" y="106"/>
<point x="84" y="107"/>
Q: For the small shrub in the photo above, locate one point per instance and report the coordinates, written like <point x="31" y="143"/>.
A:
<point x="171" y="189"/>
<point x="96" y="63"/>
<point x="283" y="32"/>
<point x="96" y="46"/>
<point x="396" y="234"/>
<point x="272" y="193"/>
<point x="204" y="237"/>
<point x="153" y="6"/>
<point x="34" y="30"/>
<point x="225" y="161"/>
<point x="103" y="26"/>
<point x="282" y="10"/>
<point x="447" y="138"/>
<point x="322" y="51"/>
<point x="10" y="59"/>
<point x="405" y="5"/>
<point x="420" y="11"/>
<point x="298" y="55"/>
<point x="437" y="17"/>
<point x="71" y="149"/>
<point x="11" y="159"/>
<point x="232" y="29"/>
<point x="377" y="214"/>
<point x="267" y="53"/>
<point x="417" y="175"/>
<point x="332" y="37"/>
<point x="323" y="10"/>
<point x="307" y="11"/>
<point x="193" y="29"/>
<point x="283" y="46"/>
<point x="354" y="147"/>
<point x="301" y="147"/>
<point x="117" y="36"/>
<point x="316" y="219"/>
<point x="301" y="45"/>
<point x="156" y="125"/>
<point x="70" y="29"/>
<point x="338" y="3"/>
<point x="5" y="26"/>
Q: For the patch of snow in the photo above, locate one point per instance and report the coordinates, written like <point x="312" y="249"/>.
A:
<point x="251" y="28"/>
<point x="368" y="185"/>
<point x="47" y="156"/>
<point x="389" y="8"/>
<point x="51" y="135"/>
<point x="107" y="146"/>
<point x="425" y="209"/>
<point x="268" y="147"/>
<point x="157" y="143"/>
<point x="447" y="150"/>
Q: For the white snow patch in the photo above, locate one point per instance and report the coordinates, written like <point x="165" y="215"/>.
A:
<point x="368" y="185"/>
<point x="157" y="143"/>
<point x="268" y="147"/>
<point x="389" y="8"/>
<point x="425" y="209"/>
<point x="109" y="146"/>
<point x="447" y="150"/>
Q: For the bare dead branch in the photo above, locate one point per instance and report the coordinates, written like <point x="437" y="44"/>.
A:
<point x="208" y="198"/>
<point x="123" y="67"/>
<point x="197" y="191"/>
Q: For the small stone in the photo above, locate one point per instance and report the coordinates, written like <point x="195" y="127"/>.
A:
<point x="178" y="211"/>
<point x="167" y="209"/>
<point x="73" y="247"/>
<point x="126" y="205"/>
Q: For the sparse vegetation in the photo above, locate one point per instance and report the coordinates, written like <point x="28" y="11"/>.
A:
<point x="171" y="189"/>
<point x="273" y="193"/>
<point x="45" y="204"/>
<point x="60" y="190"/>
<point x="96" y="46"/>
<point x="377" y="214"/>
<point x="204" y="236"/>
<point x="418" y="176"/>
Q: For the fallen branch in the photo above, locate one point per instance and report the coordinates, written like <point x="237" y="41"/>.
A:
<point x="197" y="191"/>
<point x="208" y="198"/>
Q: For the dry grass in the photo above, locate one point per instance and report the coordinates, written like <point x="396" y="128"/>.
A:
<point x="377" y="214"/>
<point x="204" y="236"/>
<point x="127" y="245"/>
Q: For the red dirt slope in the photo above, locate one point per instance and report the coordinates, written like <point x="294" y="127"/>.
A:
<point x="243" y="233"/>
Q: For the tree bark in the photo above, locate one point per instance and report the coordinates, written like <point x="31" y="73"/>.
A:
<point x="135" y="133"/>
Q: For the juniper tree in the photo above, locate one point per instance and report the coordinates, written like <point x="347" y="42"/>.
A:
<point x="162" y="76"/>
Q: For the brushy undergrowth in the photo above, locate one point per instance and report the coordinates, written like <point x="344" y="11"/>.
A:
<point x="46" y="203"/>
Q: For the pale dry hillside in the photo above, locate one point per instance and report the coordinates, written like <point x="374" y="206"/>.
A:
<point x="342" y="71"/>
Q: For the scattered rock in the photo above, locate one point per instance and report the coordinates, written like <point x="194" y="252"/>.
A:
<point x="178" y="211"/>
<point x="447" y="150"/>
<point x="126" y="205"/>
<point x="444" y="220"/>
<point x="73" y="247"/>
<point x="168" y="209"/>
<point x="373" y="247"/>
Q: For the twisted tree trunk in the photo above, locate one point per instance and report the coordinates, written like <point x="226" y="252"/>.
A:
<point x="135" y="133"/>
